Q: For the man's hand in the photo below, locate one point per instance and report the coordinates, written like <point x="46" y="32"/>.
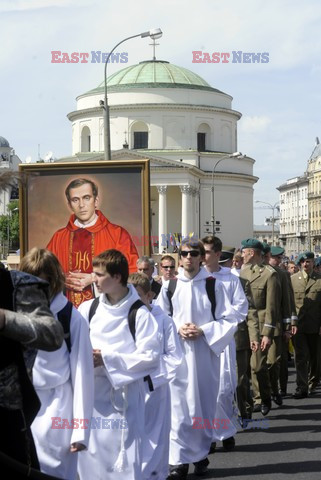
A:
<point x="98" y="359"/>
<point x="255" y="346"/>
<point x="294" y="330"/>
<point x="190" y="331"/>
<point x="78" y="281"/>
<point x="265" y="343"/>
<point x="77" y="447"/>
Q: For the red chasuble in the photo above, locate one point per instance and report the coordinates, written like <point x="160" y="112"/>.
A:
<point x="75" y="248"/>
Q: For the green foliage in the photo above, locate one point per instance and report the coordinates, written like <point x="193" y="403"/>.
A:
<point x="13" y="220"/>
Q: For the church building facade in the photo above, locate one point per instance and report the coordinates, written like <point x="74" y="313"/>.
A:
<point x="188" y="131"/>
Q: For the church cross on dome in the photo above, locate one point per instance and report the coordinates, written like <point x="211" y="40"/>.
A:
<point x="154" y="44"/>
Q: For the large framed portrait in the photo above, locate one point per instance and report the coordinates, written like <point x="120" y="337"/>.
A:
<point x="61" y="202"/>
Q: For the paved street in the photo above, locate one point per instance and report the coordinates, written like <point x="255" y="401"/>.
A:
<point x="290" y="448"/>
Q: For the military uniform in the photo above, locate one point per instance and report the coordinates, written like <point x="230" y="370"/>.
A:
<point x="285" y="340"/>
<point x="264" y="286"/>
<point x="283" y="324"/>
<point x="246" y="331"/>
<point x="307" y="296"/>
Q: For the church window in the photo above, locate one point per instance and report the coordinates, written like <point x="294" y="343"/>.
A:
<point x="201" y="142"/>
<point x="140" y="140"/>
<point x="85" y="140"/>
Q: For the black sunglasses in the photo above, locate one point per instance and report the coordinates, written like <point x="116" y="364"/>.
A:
<point x="193" y="253"/>
<point x="167" y="266"/>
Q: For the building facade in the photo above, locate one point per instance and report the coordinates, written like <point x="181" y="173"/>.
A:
<point x="8" y="159"/>
<point x="294" y="215"/>
<point x="188" y="131"/>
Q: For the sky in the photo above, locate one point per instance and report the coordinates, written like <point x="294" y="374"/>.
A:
<point x="279" y="100"/>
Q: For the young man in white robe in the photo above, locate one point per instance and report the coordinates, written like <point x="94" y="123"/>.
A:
<point x="228" y="379"/>
<point x="63" y="379"/>
<point x="121" y="363"/>
<point x="195" y="386"/>
<point x="158" y="404"/>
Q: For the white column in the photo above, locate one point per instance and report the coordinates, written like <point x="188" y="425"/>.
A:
<point x="187" y="209"/>
<point x="162" y="218"/>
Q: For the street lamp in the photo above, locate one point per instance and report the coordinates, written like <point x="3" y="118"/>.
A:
<point x="273" y="207"/>
<point x="230" y="155"/>
<point x="154" y="34"/>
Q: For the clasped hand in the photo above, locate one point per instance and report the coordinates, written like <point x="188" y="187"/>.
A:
<point x="190" y="331"/>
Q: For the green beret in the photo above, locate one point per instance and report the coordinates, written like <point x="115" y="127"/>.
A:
<point x="266" y="248"/>
<point x="252" y="243"/>
<point x="304" y="256"/>
<point x="276" y="251"/>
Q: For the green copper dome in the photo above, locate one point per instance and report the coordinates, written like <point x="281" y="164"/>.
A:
<point x="154" y="74"/>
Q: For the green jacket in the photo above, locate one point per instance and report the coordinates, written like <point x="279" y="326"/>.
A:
<point x="307" y="297"/>
<point x="265" y="291"/>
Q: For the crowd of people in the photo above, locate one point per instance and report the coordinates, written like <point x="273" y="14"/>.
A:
<point x="144" y="379"/>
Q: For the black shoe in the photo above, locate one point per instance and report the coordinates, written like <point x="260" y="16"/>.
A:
<point x="265" y="408"/>
<point x="257" y="407"/>
<point x="178" y="472"/>
<point x="283" y="393"/>
<point x="298" y="394"/>
<point x="201" y="467"/>
<point x="229" y="444"/>
<point x="212" y="448"/>
<point x="277" y="399"/>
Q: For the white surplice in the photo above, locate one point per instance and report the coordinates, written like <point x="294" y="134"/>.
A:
<point x="195" y="386"/>
<point x="114" y="451"/>
<point x="228" y="381"/>
<point x="158" y="406"/>
<point x="64" y="384"/>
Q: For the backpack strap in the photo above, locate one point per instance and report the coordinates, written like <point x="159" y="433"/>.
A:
<point x="210" y="290"/>
<point x="131" y="324"/>
<point x="132" y="317"/>
<point x="93" y="308"/>
<point x="132" y="327"/>
<point x="170" y="292"/>
<point x="64" y="317"/>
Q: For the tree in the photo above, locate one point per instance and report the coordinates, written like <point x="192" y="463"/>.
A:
<point x="9" y="226"/>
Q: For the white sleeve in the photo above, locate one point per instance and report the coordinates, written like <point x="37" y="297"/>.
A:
<point x="171" y="357"/>
<point x="124" y="368"/>
<point x="82" y="375"/>
<point x="220" y="332"/>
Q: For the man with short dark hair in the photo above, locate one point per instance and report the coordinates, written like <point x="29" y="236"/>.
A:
<point x="167" y="267"/>
<point x="123" y="358"/>
<point x="194" y="389"/>
<point x="87" y="233"/>
<point x="237" y="298"/>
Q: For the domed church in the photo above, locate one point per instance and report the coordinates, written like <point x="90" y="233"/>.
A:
<point x="188" y="131"/>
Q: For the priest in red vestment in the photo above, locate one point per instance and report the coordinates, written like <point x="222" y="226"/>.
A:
<point x="87" y="234"/>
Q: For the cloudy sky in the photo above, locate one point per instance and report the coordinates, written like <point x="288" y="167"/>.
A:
<point x="279" y="100"/>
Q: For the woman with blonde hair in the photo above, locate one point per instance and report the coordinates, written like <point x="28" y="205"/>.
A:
<point x="63" y="379"/>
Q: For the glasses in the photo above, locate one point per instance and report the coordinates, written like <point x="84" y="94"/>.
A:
<point x="167" y="267"/>
<point x="193" y="253"/>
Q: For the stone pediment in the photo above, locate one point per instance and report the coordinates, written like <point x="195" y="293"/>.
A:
<point x="125" y="154"/>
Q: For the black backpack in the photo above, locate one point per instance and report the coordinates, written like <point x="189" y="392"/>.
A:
<point x="210" y="290"/>
<point x="131" y="323"/>
<point x="64" y="317"/>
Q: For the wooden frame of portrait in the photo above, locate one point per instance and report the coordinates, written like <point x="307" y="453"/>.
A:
<point x="123" y="192"/>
